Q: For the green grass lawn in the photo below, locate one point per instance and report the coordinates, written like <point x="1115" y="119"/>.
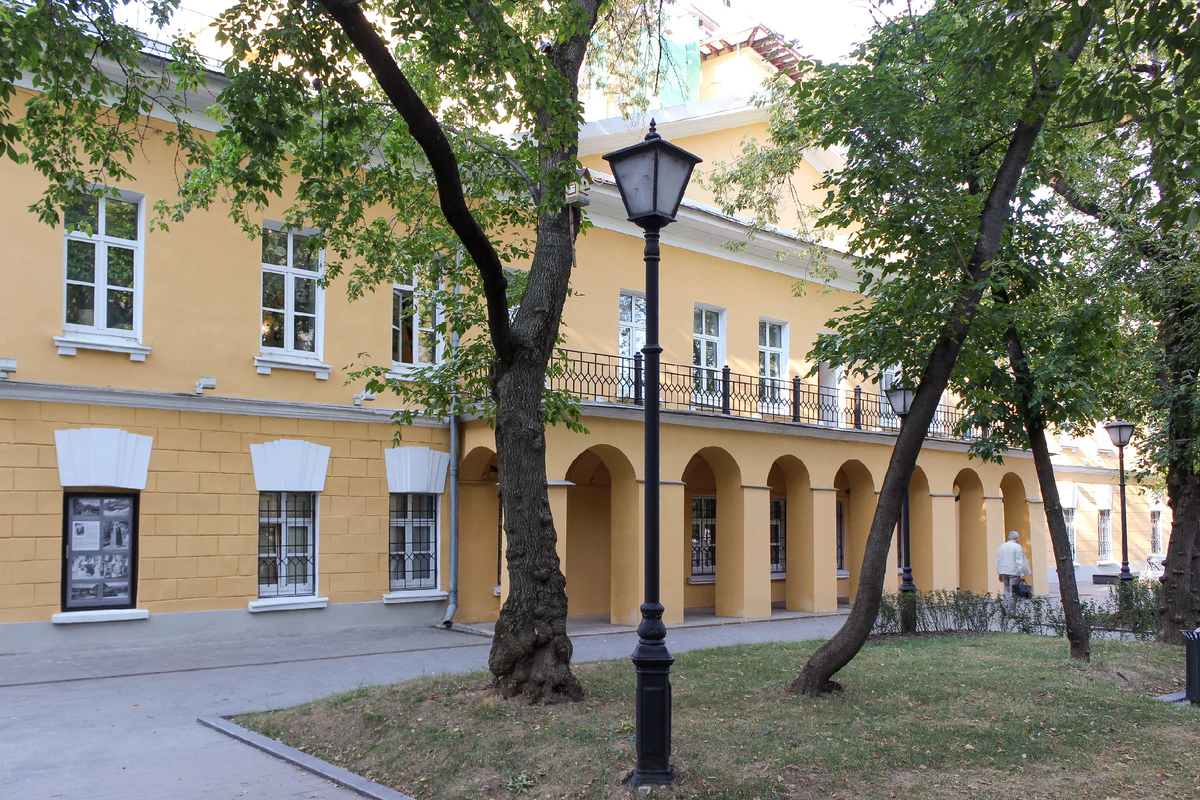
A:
<point x="947" y="717"/>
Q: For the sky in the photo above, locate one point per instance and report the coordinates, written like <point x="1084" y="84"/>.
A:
<point x="824" y="29"/>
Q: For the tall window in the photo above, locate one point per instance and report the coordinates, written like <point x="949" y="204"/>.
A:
<point x="287" y="544"/>
<point x="101" y="553"/>
<point x="771" y="360"/>
<point x="1156" y="540"/>
<point x="704" y="535"/>
<point x="412" y="551"/>
<point x="291" y="298"/>
<point x="840" y="516"/>
<point x="1104" y="534"/>
<point x="778" y="535"/>
<point x="103" y="260"/>
<point x="631" y="338"/>
<point x="1069" y="520"/>
<point x="706" y="355"/>
<point x="414" y="326"/>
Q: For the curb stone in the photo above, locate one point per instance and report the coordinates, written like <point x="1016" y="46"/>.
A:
<point x="323" y="769"/>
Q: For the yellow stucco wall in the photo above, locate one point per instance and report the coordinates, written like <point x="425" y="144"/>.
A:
<point x="198" y="524"/>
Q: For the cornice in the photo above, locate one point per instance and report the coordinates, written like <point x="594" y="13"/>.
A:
<point x="38" y="392"/>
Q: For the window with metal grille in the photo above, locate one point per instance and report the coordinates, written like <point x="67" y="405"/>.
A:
<point x="1156" y="541"/>
<point x="287" y="544"/>
<point x="1104" y="534"/>
<point x="1069" y="520"/>
<point x="704" y="535"/>
<point x="778" y="535"/>
<point x="412" y="552"/>
<point x="100" y="568"/>
<point x="841" y="536"/>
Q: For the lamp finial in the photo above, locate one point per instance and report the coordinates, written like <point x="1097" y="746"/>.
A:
<point x="653" y="134"/>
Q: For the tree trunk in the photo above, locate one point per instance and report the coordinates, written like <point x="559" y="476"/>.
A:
<point x="1181" y="576"/>
<point x="836" y="653"/>
<point x="531" y="653"/>
<point x="1035" y="430"/>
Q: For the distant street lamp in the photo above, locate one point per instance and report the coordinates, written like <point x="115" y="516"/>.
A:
<point x="900" y="399"/>
<point x="1121" y="432"/>
<point x="651" y="178"/>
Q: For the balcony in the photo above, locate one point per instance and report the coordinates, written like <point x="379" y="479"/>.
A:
<point x="605" y="378"/>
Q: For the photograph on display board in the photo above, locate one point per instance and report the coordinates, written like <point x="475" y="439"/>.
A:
<point x="117" y="506"/>
<point x="116" y="535"/>
<point x="85" y="567"/>
<point x="85" y="534"/>
<point x="114" y="566"/>
<point x="116" y="591"/>
<point x="85" y="591"/>
<point x="85" y="506"/>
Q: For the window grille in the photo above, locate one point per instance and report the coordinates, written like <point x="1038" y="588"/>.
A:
<point x="1104" y="534"/>
<point x="1156" y="541"/>
<point x="1069" y="520"/>
<point x="101" y="552"/>
<point x="704" y="535"/>
<point x="412" y="552"/>
<point x="778" y="535"/>
<point x="287" y="525"/>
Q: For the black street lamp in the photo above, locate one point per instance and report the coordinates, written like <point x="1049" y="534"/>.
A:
<point x="1121" y="432"/>
<point x="651" y="178"/>
<point x="900" y="399"/>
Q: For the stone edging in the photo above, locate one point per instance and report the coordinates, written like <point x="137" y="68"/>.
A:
<point x="323" y="769"/>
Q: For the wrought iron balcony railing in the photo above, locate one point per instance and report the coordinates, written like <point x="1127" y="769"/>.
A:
<point x="604" y="378"/>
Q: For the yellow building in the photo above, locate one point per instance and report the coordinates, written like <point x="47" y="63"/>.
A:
<point x="181" y="458"/>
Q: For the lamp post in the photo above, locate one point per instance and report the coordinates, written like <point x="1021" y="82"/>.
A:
<point x="1121" y="432"/>
<point x="651" y="178"/>
<point x="900" y="399"/>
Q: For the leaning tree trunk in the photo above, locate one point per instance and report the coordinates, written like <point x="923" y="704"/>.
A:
<point x="531" y="653"/>
<point x="836" y="653"/>
<point x="1035" y="429"/>
<point x="1181" y="574"/>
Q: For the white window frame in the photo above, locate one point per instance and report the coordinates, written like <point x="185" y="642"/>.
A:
<point x="1156" y="531"/>
<point x="708" y="398"/>
<point x="400" y="368"/>
<point x="287" y="357"/>
<point x="830" y="377"/>
<point x="99" y="336"/>
<point x="1069" y="522"/>
<point x="626" y="386"/>
<point x="773" y="392"/>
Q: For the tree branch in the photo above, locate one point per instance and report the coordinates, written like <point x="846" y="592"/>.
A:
<point x="535" y="191"/>
<point x="428" y="133"/>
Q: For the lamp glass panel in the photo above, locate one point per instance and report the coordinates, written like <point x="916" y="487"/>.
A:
<point x="674" y="171"/>
<point x="1120" y="432"/>
<point x="635" y="176"/>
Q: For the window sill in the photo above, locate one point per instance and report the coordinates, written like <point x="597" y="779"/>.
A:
<point x="269" y="361"/>
<point x="779" y="576"/>
<point x="286" y="604"/>
<point x="414" y="596"/>
<point x="100" y="615"/>
<point x="402" y="372"/>
<point x="71" y="341"/>
<point x="702" y="579"/>
<point x="843" y="573"/>
<point x="1108" y="562"/>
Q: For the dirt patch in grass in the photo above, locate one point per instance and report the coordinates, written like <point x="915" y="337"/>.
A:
<point x="940" y="717"/>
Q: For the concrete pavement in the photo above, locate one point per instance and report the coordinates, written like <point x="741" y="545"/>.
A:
<point x="121" y="723"/>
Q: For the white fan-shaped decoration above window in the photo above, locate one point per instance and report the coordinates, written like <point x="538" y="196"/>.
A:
<point x="289" y="465"/>
<point x="105" y="457"/>
<point x="418" y="470"/>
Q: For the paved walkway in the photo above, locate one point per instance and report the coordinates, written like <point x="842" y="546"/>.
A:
<point x="120" y="724"/>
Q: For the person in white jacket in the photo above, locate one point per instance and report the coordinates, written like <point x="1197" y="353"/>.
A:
<point x="1011" y="564"/>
